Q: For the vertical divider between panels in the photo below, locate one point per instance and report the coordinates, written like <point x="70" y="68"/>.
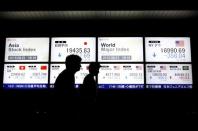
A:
<point x="49" y="62"/>
<point x="144" y="61"/>
<point x="96" y="56"/>
<point x="191" y="62"/>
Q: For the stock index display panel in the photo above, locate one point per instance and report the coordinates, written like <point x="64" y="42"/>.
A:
<point x="166" y="51"/>
<point x="61" y="47"/>
<point x="85" y="47"/>
<point x="25" y="76"/>
<point x="169" y="76"/>
<point x="127" y="62"/>
<point x="115" y="75"/>
<point x="26" y="63"/>
<point x="121" y="76"/>
<point x="27" y="50"/>
<point x="120" y="49"/>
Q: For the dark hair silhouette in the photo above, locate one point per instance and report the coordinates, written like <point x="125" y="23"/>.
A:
<point x="72" y="63"/>
<point x="94" y="68"/>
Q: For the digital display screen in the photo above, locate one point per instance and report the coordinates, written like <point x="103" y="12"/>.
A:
<point x="168" y="49"/>
<point x="56" y="69"/>
<point x="121" y="76"/>
<point x="25" y="76"/>
<point x="169" y="76"/>
<point x="27" y="50"/>
<point x="85" y="47"/>
<point x="127" y="62"/>
<point x="120" y="49"/>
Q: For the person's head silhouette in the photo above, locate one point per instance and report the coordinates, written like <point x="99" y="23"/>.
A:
<point x="94" y="68"/>
<point x="72" y="63"/>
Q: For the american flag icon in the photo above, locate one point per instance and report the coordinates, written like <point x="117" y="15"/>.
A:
<point x="116" y="67"/>
<point x="179" y="43"/>
<point x="162" y="67"/>
<point x="139" y="67"/>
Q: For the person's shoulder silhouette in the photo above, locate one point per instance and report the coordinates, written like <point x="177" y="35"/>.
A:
<point x="65" y="82"/>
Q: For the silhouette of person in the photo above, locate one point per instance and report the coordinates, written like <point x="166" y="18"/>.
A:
<point x="88" y="89"/>
<point x="65" y="91"/>
<point x="88" y="92"/>
<point x="65" y="82"/>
